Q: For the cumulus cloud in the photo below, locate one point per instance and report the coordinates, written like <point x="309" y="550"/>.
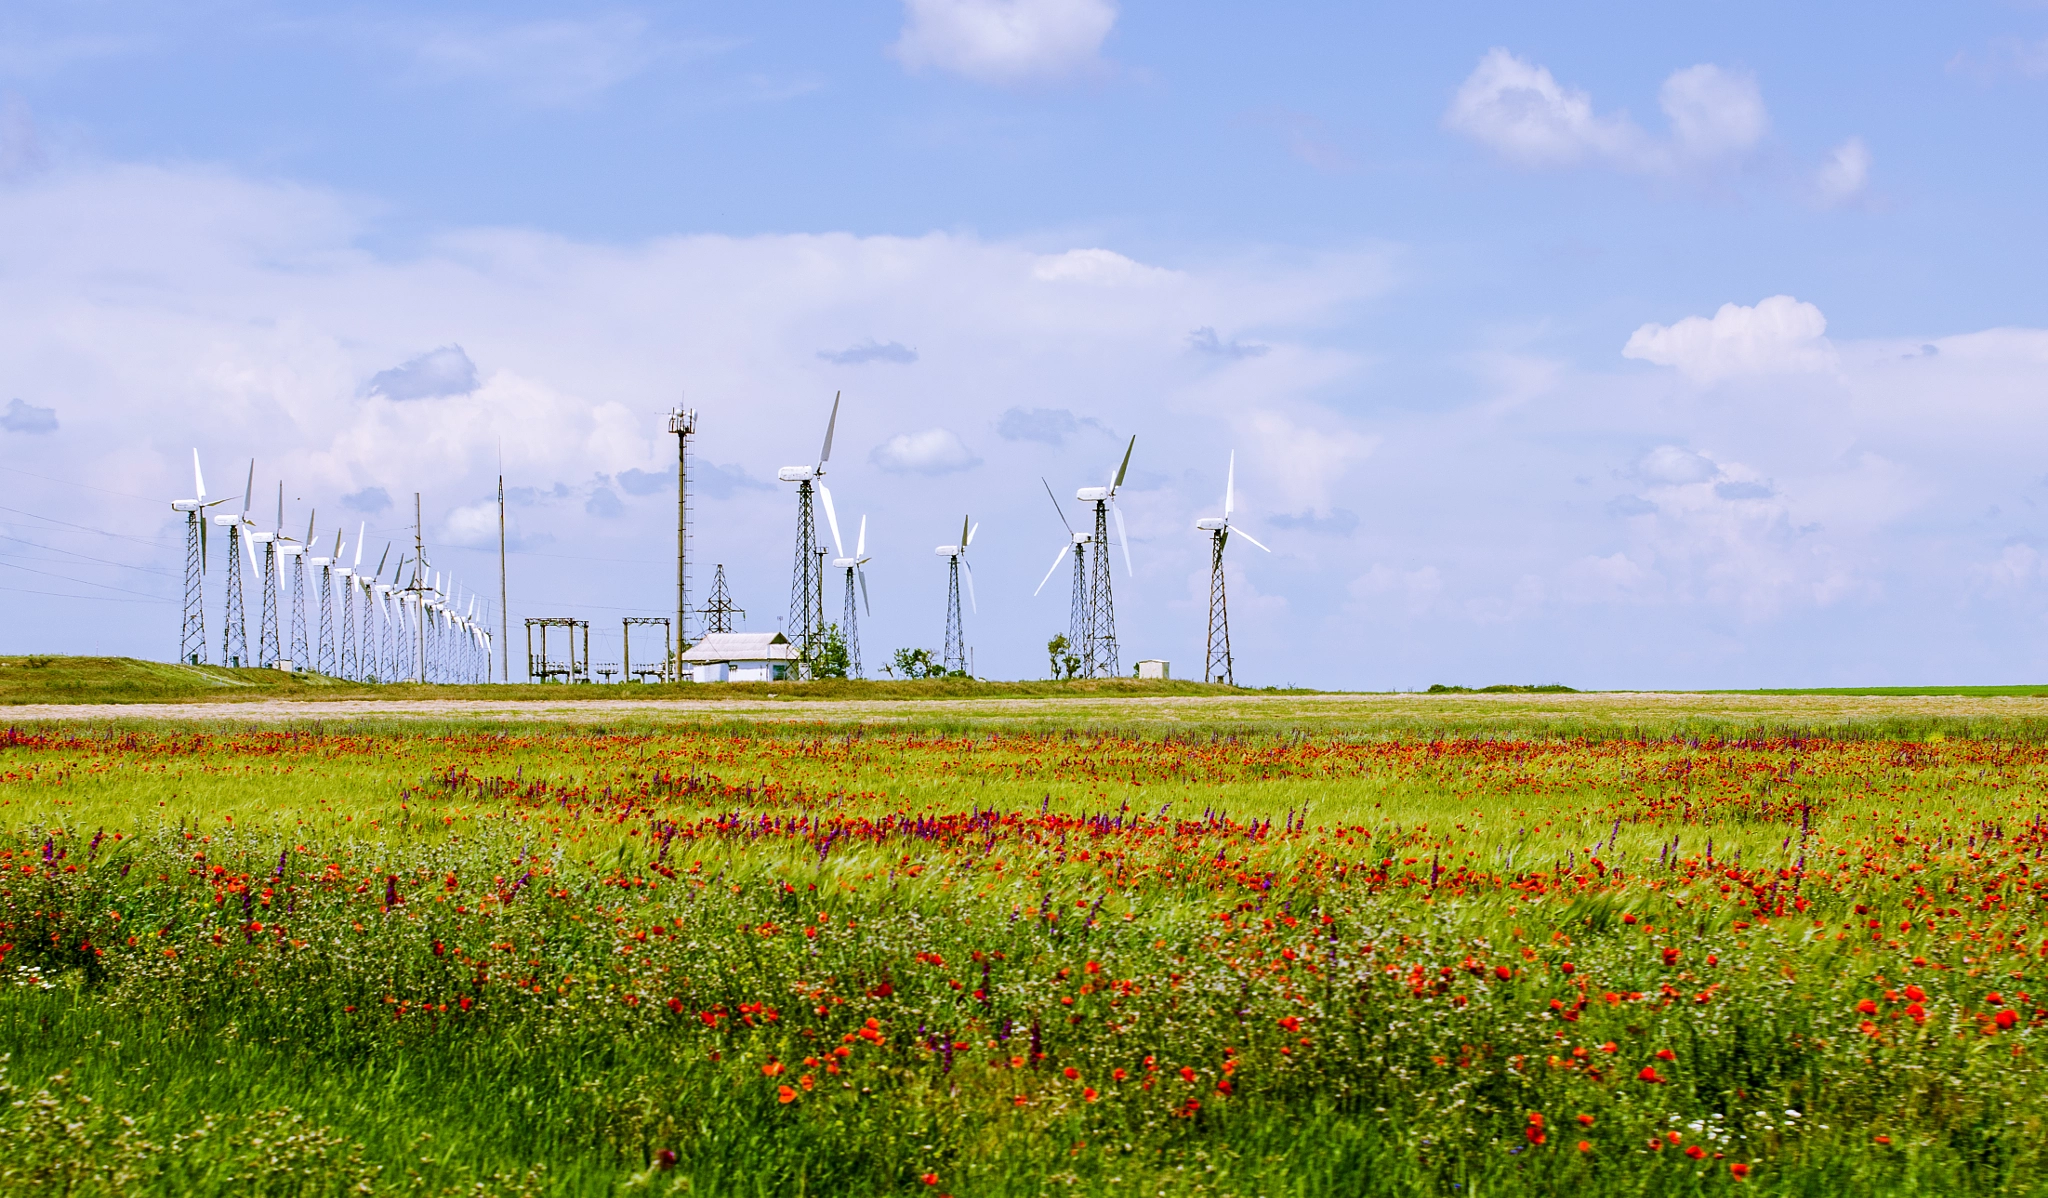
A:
<point x="1519" y="110"/>
<point x="542" y="64"/>
<point x="1844" y="175"/>
<point x="24" y="417"/>
<point x="1097" y="267"/>
<point x="604" y="503"/>
<point x="1778" y="335"/>
<point x="646" y="482"/>
<point x="1417" y="591"/>
<point x="1004" y="41"/>
<point x="870" y="351"/>
<point x="933" y="451"/>
<point x="433" y="375"/>
<point x="1673" y="466"/>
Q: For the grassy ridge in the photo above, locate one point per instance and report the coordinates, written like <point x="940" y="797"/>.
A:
<point x="39" y="679"/>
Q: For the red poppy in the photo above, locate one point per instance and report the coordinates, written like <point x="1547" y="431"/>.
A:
<point x="1738" y="1170"/>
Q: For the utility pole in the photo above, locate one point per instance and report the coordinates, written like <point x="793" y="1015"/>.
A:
<point x="504" y="609"/>
<point x="682" y="422"/>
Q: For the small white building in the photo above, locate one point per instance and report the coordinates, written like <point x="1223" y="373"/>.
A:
<point x="740" y="657"/>
<point x="1152" y="667"/>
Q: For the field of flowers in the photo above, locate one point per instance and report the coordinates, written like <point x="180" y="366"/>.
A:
<point x="834" y="961"/>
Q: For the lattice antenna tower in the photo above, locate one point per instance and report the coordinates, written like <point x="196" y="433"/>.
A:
<point x="683" y="423"/>
<point x="806" y="592"/>
<point x="295" y="553"/>
<point x="1217" y="665"/>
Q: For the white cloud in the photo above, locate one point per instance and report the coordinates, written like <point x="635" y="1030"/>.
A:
<point x="1004" y="41"/>
<point x="1416" y="591"/>
<point x="543" y="63"/>
<point x="933" y="451"/>
<point x="1519" y="110"/>
<point x="1844" y="175"/>
<point x="1780" y="334"/>
<point x="1713" y="112"/>
<point x="1097" y="267"/>
<point x="1673" y="466"/>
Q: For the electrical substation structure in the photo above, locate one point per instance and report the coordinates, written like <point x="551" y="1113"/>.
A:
<point x="541" y="666"/>
<point x="664" y="667"/>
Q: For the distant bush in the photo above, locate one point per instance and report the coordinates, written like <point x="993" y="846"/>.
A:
<point x="1550" y="688"/>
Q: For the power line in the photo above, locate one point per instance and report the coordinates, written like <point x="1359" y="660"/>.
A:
<point x="84" y="582"/>
<point x="99" y="598"/>
<point x="105" y="561"/>
<point x="84" y="527"/>
<point x="83" y="486"/>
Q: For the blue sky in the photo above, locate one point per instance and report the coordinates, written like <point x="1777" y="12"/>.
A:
<point x="1591" y="344"/>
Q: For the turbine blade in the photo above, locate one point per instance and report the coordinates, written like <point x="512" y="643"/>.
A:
<point x="825" y="454"/>
<point x="385" y="558"/>
<point x="361" y="528"/>
<point x="831" y="518"/>
<point x="250" y="546"/>
<point x="964" y="531"/>
<point x="1055" y="569"/>
<point x="203" y="522"/>
<point x="280" y="507"/>
<point x="1056" y="506"/>
<point x="248" y="488"/>
<point x="309" y="527"/>
<point x="1230" y="485"/>
<point x="970" y="537"/>
<point x="1249" y="537"/>
<point x="1118" y="481"/>
<point x="863" y="576"/>
<point x="1123" y="538"/>
<point x="860" y="546"/>
<point x="198" y="479"/>
<point x="969" y="571"/>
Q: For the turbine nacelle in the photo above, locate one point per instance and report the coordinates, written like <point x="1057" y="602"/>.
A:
<point x="1214" y="524"/>
<point x="797" y="474"/>
<point x="1095" y="494"/>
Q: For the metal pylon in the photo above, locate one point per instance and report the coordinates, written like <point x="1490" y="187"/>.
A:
<point x="1217" y="662"/>
<point x="806" y="614"/>
<point x="267" y="648"/>
<point x="718" y="610"/>
<point x="1077" y="608"/>
<point x="1098" y="653"/>
<point x="954" y="655"/>
<point x="326" y="665"/>
<point x="302" y="650"/>
<point x="234" y="646"/>
<point x="852" y="630"/>
<point x="192" y="627"/>
<point x="351" y="660"/>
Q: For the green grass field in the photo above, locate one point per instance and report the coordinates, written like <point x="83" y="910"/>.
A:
<point x="1513" y="945"/>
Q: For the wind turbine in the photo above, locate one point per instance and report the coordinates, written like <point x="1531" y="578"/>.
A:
<point x="1077" y="607"/>
<point x="325" y="633"/>
<point x="192" y="626"/>
<point x="234" y="648"/>
<point x="386" y="602"/>
<point x="268" y="650"/>
<point x="1098" y="640"/>
<point x="954" y="655"/>
<point x="351" y="659"/>
<point x="852" y="566"/>
<point x="1216" y="667"/>
<point x="295" y="552"/>
<point x="807" y="583"/>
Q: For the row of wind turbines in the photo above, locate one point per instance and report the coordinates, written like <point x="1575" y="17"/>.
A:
<point x="361" y="626"/>
<point x="1091" y="619"/>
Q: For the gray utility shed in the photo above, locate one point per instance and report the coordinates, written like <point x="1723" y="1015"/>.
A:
<point x="740" y="657"/>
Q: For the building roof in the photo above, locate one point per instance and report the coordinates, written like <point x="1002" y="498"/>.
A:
<point x="741" y="646"/>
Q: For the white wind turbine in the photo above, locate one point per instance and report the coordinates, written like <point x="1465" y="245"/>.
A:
<point x="855" y="571"/>
<point x="192" y="626"/>
<point x="953" y="656"/>
<point x="1216" y="663"/>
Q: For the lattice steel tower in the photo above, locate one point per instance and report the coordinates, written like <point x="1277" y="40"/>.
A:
<point x="806" y="583"/>
<point x="192" y="622"/>
<point x="683" y="423"/>
<point x="719" y="611"/>
<point x="1216" y="665"/>
<point x="953" y="653"/>
<point x="1098" y="641"/>
<point x="234" y="649"/>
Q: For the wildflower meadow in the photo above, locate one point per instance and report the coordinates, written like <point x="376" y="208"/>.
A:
<point x="793" y="959"/>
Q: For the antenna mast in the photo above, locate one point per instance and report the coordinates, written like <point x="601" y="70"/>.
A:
<point x="504" y="608"/>
<point x="418" y="587"/>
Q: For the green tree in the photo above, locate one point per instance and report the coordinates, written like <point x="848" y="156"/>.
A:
<point x="917" y="663"/>
<point x="1065" y="662"/>
<point x="830" y="659"/>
